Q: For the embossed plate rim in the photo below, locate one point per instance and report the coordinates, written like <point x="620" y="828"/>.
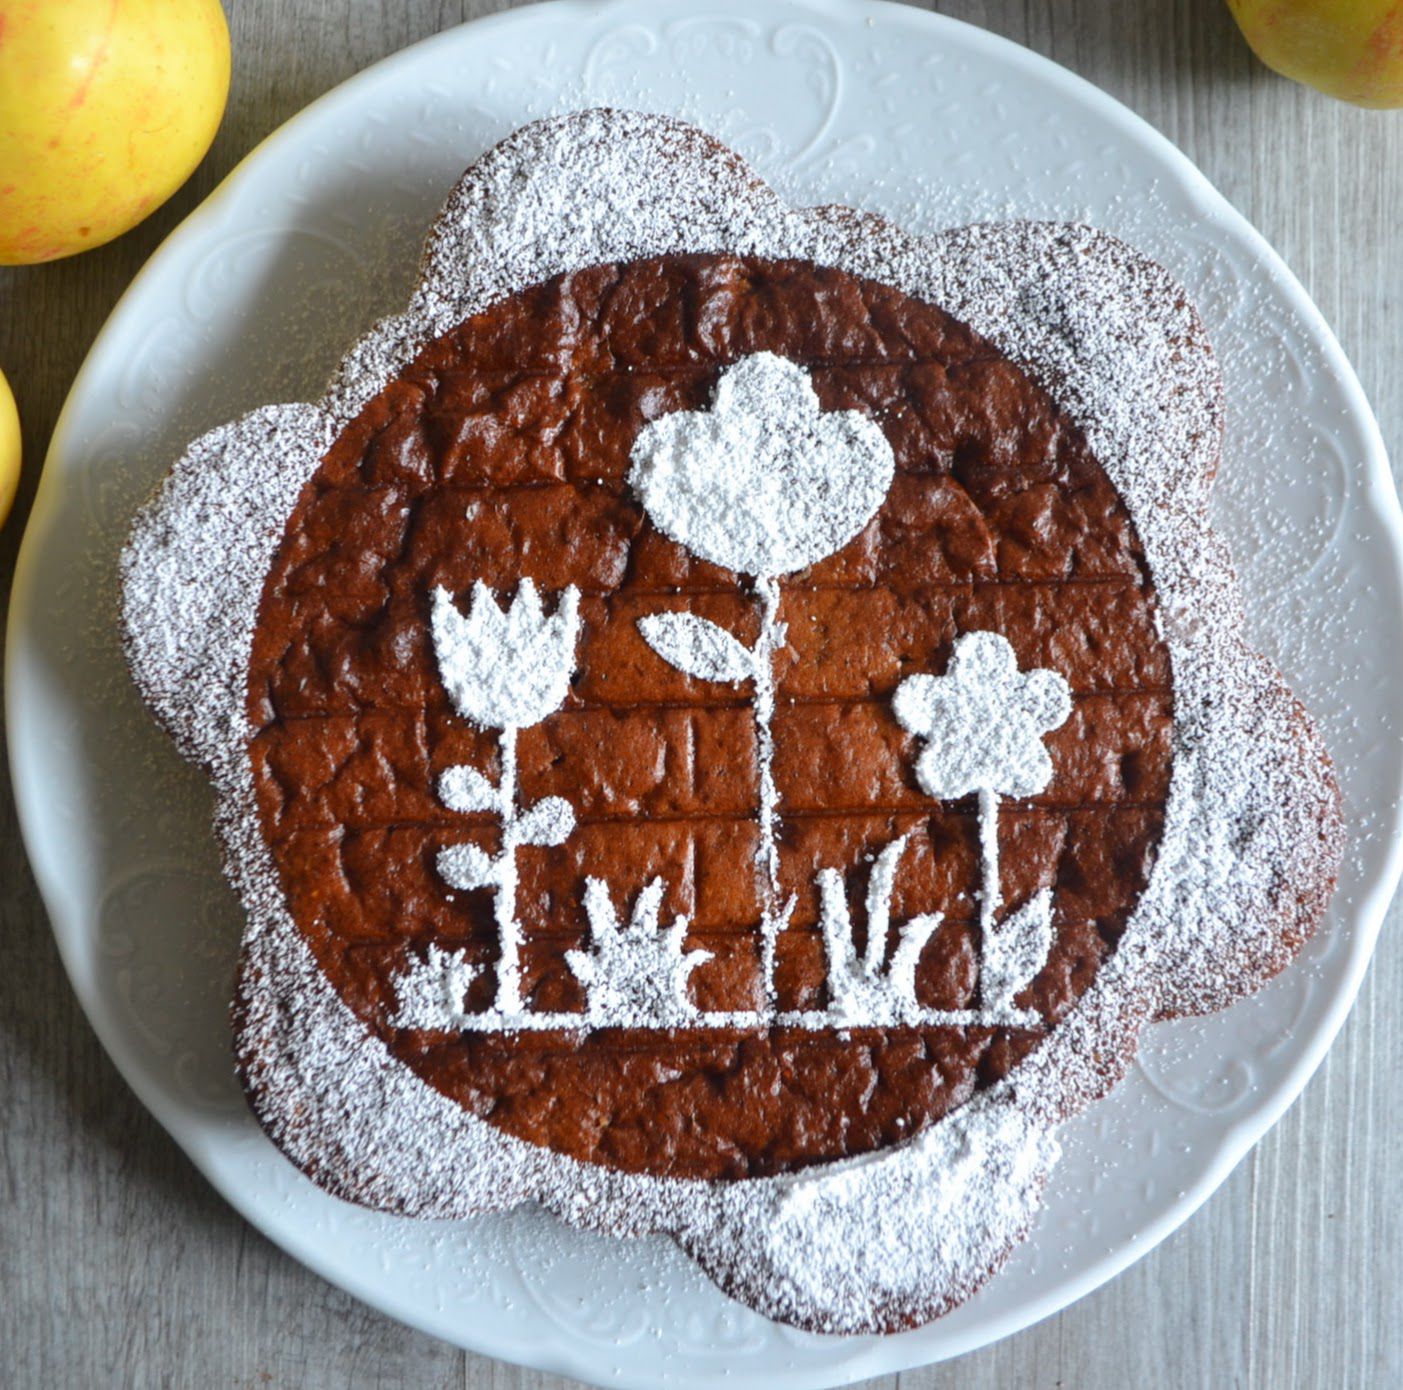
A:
<point x="811" y="1362"/>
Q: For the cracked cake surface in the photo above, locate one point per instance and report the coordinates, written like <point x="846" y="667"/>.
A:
<point x="741" y="938"/>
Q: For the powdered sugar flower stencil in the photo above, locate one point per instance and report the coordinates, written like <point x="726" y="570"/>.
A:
<point x="764" y="483"/>
<point x="503" y="669"/>
<point x="983" y="723"/>
<point x="870" y="989"/>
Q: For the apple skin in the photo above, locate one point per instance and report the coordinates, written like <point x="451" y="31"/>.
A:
<point x="9" y="449"/>
<point x="1349" y="49"/>
<point x="106" y="106"/>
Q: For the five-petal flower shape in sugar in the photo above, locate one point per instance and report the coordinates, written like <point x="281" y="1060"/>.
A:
<point x="983" y="724"/>
<point x="983" y="721"/>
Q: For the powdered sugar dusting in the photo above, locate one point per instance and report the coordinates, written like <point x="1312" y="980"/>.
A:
<point x="698" y="647"/>
<point x="763" y="482"/>
<point x="849" y="1230"/>
<point x="1252" y="832"/>
<point x="504" y="670"/>
<point x="634" y="969"/>
<point x="983" y="721"/>
<point x="870" y="989"/>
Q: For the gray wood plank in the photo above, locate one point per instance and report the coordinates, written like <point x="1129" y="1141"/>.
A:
<point x="120" y="1267"/>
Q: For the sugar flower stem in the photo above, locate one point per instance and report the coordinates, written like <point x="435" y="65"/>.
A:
<point x="504" y="902"/>
<point x="990" y="894"/>
<point x="770" y="640"/>
<point x="768" y="643"/>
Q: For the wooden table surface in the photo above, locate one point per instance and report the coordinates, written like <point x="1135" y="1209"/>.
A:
<point x="119" y="1266"/>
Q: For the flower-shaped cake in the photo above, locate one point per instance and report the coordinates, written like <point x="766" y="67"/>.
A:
<point x="416" y="788"/>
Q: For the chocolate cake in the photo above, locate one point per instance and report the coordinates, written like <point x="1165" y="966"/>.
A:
<point x="728" y="720"/>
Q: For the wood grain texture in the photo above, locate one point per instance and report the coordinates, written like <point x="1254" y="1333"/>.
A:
<point x="119" y="1266"/>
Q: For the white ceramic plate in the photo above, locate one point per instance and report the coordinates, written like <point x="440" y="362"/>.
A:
<point x="316" y="234"/>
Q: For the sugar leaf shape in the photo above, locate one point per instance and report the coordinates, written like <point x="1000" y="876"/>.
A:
<point x="698" y="647"/>
<point x="464" y="788"/>
<point x="634" y="975"/>
<point x="548" y="822"/>
<point x="466" y="866"/>
<point x="1014" y="951"/>
<point x="432" y="992"/>
<point x="870" y="990"/>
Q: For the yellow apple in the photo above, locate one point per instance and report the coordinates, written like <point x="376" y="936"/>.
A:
<point x="1350" y="49"/>
<point x="9" y="449"/>
<point x="105" y="108"/>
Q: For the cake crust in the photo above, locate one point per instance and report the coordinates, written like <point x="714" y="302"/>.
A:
<point x="1233" y="874"/>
